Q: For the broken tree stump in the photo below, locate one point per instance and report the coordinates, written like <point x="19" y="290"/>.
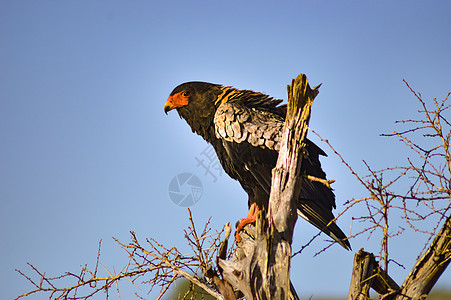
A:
<point x="366" y="272"/>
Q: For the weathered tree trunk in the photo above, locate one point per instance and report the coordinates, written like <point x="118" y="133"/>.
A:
<point x="367" y="272"/>
<point x="362" y="274"/>
<point x="429" y="267"/>
<point x="261" y="265"/>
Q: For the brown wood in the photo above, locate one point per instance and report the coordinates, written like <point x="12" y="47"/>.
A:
<point x="367" y="273"/>
<point x="429" y="267"/>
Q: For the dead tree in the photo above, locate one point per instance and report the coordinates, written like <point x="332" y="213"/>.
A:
<point x="428" y="198"/>
<point x="259" y="266"/>
<point x="367" y="272"/>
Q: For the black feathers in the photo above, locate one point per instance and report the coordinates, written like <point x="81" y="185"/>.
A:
<point x="245" y="128"/>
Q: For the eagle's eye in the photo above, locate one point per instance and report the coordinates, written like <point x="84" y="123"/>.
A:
<point x="185" y="94"/>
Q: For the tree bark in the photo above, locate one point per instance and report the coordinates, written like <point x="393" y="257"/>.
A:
<point x="367" y="272"/>
<point x="260" y="268"/>
<point x="429" y="267"/>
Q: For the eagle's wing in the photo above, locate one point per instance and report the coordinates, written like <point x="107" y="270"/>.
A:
<point x="252" y="140"/>
<point x="235" y="122"/>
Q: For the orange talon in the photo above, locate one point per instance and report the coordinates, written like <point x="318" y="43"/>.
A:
<point x="251" y="218"/>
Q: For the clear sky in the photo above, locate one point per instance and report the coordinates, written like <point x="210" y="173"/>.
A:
<point x="87" y="153"/>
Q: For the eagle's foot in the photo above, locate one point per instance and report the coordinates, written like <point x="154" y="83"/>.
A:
<point x="251" y="218"/>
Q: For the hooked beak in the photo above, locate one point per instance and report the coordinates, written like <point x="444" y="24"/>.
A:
<point x="168" y="106"/>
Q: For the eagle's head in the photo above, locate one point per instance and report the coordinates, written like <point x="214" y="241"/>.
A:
<point x="195" y="102"/>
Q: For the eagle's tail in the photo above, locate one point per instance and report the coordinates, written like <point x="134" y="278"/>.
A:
<point x="323" y="220"/>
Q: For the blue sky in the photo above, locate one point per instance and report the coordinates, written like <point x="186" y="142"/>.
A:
<point x="87" y="152"/>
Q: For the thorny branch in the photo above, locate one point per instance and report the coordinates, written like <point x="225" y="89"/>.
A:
<point x="420" y="190"/>
<point x="150" y="263"/>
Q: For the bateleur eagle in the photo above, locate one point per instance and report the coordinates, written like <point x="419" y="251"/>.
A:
<point x="245" y="128"/>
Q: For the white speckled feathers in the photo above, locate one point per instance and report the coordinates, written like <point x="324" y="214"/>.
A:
<point x="235" y="122"/>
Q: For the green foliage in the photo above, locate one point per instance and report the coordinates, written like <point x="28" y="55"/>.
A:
<point x="439" y="295"/>
<point x="184" y="289"/>
<point x="182" y="286"/>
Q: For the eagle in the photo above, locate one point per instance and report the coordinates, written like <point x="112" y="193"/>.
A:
<point x="245" y="129"/>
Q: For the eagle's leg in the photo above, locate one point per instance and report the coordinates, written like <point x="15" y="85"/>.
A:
<point x="251" y="218"/>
